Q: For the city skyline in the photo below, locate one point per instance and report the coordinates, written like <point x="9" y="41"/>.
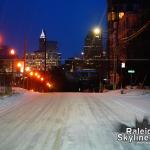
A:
<point x="72" y="19"/>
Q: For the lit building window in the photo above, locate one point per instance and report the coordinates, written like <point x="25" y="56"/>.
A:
<point x="121" y="14"/>
<point x="113" y="16"/>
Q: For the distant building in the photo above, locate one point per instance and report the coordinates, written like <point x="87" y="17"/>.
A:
<point x="88" y="80"/>
<point x="94" y="56"/>
<point x="93" y="50"/>
<point x="36" y="59"/>
<point x="73" y="64"/>
<point x="128" y="30"/>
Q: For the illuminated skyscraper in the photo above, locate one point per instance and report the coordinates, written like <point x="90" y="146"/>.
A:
<point x="36" y="59"/>
<point x="93" y="50"/>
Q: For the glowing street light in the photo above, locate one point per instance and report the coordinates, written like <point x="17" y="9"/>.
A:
<point x="42" y="79"/>
<point x="19" y="64"/>
<point x="82" y="53"/>
<point x="123" y="65"/>
<point x="12" y="52"/>
<point x="97" y="31"/>
<point x="31" y="73"/>
<point x="49" y="85"/>
<point x="27" y="69"/>
<point x="36" y="74"/>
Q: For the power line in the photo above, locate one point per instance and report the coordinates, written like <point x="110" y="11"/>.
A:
<point x="134" y="35"/>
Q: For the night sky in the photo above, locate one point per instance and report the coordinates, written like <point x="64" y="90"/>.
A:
<point x="67" y="21"/>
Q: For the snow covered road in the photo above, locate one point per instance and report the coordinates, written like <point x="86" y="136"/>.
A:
<point x="69" y="121"/>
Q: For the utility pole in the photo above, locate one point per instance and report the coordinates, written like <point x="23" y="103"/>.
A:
<point x="25" y="50"/>
<point x="115" y="68"/>
<point x="116" y="49"/>
<point x="24" y="57"/>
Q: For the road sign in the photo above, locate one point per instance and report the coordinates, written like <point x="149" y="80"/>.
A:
<point x="131" y="71"/>
<point x="123" y="65"/>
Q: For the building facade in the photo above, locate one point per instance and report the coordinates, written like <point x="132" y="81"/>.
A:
<point x="127" y="22"/>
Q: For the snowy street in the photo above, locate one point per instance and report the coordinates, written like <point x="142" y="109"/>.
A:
<point x="69" y="121"/>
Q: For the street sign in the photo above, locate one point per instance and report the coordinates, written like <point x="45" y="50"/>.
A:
<point x="131" y="71"/>
<point x="123" y="65"/>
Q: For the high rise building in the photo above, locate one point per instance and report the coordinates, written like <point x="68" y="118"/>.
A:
<point x="47" y="50"/>
<point x="93" y="50"/>
<point x="42" y="41"/>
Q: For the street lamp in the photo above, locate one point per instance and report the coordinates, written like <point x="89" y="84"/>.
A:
<point x="123" y="65"/>
<point x="27" y="69"/>
<point x="36" y="74"/>
<point x="49" y="85"/>
<point x="31" y="73"/>
<point x="12" y="52"/>
<point x="82" y="53"/>
<point x="42" y="79"/>
<point x="97" y="31"/>
<point x="19" y="65"/>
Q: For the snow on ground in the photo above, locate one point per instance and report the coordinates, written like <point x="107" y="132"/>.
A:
<point x="69" y="121"/>
<point x="8" y="101"/>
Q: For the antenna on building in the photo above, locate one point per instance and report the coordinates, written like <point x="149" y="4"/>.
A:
<point x="42" y="36"/>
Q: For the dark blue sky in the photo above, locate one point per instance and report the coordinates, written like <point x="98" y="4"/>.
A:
<point x="67" y="21"/>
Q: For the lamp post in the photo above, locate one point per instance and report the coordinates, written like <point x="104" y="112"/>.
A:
<point x="97" y="31"/>
<point x="27" y="69"/>
<point x="12" y="53"/>
<point x="116" y="47"/>
<point x="123" y="65"/>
